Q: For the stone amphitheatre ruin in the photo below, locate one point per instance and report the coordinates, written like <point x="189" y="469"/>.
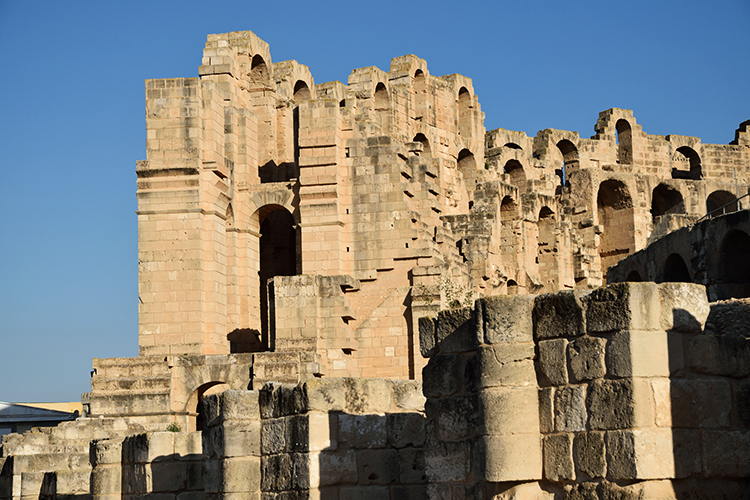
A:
<point x="355" y="291"/>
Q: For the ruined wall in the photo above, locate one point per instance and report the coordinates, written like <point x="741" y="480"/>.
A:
<point x="620" y="391"/>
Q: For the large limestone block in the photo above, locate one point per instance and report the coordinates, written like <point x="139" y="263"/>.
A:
<point x="273" y="436"/>
<point x="324" y="394"/>
<point x="509" y="410"/>
<point x="684" y="307"/>
<point x="336" y="467"/>
<point x="558" y="458"/>
<point x="623" y="306"/>
<point x="408" y="396"/>
<point x="719" y="355"/>
<point x="586" y="358"/>
<point x="725" y="454"/>
<point x="368" y="395"/>
<point x="411" y="464"/>
<point x="447" y="461"/>
<point x="700" y="403"/>
<point x="503" y="319"/>
<point x="640" y="454"/>
<point x="558" y="315"/>
<point x="643" y="354"/>
<point x="620" y="404"/>
<point x="590" y="453"/>
<point x="511" y="457"/>
<point x="456" y="331"/>
<point x="553" y="361"/>
<point x="276" y="472"/>
<point x="241" y="475"/>
<point x="405" y="429"/>
<point x="454" y="418"/>
<point x="240" y="405"/>
<point x="362" y="431"/>
<point x="442" y="376"/>
<point x="377" y="466"/>
<point x="506" y="365"/>
<point x="570" y="408"/>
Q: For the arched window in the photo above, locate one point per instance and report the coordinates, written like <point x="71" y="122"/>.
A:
<point x="570" y="159"/>
<point x="464" y="112"/>
<point x="420" y="91"/>
<point x="615" y="213"/>
<point x="675" y="269"/>
<point x="634" y="276"/>
<point x="512" y="287"/>
<point x="195" y="402"/>
<point x="512" y="145"/>
<point x="734" y="265"/>
<point x="278" y="254"/>
<point x="624" y="142"/>
<point x="686" y="164"/>
<point x="666" y="200"/>
<point x="515" y="170"/>
<point x="301" y="92"/>
<point x="425" y="145"/>
<point x="547" y="249"/>
<point x="468" y="167"/>
<point x="381" y="97"/>
<point x="259" y="78"/>
<point x="721" y="202"/>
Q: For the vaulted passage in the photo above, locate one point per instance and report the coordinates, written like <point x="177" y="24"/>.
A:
<point x="676" y="270"/>
<point x="734" y="266"/>
<point x="624" y="142"/>
<point x="720" y="202"/>
<point x="666" y="200"/>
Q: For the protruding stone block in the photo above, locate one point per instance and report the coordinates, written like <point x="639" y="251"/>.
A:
<point x="570" y="409"/>
<point x="506" y="365"/>
<point x="558" y="457"/>
<point x="640" y="454"/>
<point x="684" y="307"/>
<point x="639" y="354"/>
<point x="509" y="410"/>
<point x="408" y="396"/>
<point x="552" y="360"/>
<point x="586" y="358"/>
<point x="505" y="319"/>
<point x="590" y="454"/>
<point x="456" y="331"/>
<point x="558" y="315"/>
<point x="620" y="404"/>
<point x="511" y="457"/>
<point x="324" y="394"/>
<point x="623" y="306"/>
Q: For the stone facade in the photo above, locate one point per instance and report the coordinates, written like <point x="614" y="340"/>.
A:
<point x="308" y="253"/>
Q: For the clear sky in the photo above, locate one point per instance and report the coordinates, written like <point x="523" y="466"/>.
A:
<point x="72" y="121"/>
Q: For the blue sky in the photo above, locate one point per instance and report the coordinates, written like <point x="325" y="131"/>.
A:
<point x="72" y="127"/>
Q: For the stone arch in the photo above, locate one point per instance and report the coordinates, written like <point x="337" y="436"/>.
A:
<point x="515" y="170"/>
<point x="467" y="165"/>
<point x="634" y="276"/>
<point x="512" y="287"/>
<point x="675" y="269"/>
<point x="420" y="91"/>
<point x="426" y="152"/>
<point x="512" y="145"/>
<point x="569" y="154"/>
<point x="464" y="112"/>
<point x="720" y="202"/>
<point x="508" y="209"/>
<point x="547" y="248"/>
<point x="624" y="142"/>
<point x="301" y="92"/>
<point x="195" y="401"/>
<point x="686" y="164"/>
<point x="616" y="214"/>
<point x="666" y="199"/>
<point x="734" y="266"/>
<point x="381" y="97"/>
<point x="259" y="76"/>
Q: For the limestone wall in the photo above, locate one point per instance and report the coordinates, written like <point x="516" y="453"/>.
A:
<point x="618" y="391"/>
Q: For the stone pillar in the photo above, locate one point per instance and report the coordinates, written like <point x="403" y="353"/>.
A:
<point x="106" y="477"/>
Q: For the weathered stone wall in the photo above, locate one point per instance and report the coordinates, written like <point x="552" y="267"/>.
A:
<point x="618" y="391"/>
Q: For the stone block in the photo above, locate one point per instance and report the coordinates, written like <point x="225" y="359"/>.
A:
<point x="586" y="358"/>
<point x="168" y="477"/>
<point x="362" y="431"/>
<point x="456" y="331"/>
<point x="447" y="461"/>
<point x="684" y="307"/>
<point x="337" y="467"/>
<point x="324" y="394"/>
<point x="688" y="452"/>
<point x="510" y="457"/>
<point x="620" y="404"/>
<point x="211" y="405"/>
<point x="557" y="315"/>
<point x="186" y="444"/>
<point x="506" y="365"/>
<point x="106" y="451"/>
<point x="427" y="336"/>
<point x="570" y="408"/>
<point x="719" y="355"/>
<point x="408" y="396"/>
<point x="505" y="319"/>
<point x="405" y="429"/>
<point x="623" y="306"/>
<point x="409" y="492"/>
<point x="273" y="436"/>
<point x="552" y="360"/>
<point x="508" y="410"/>
<point x="442" y="376"/>
<point x="558" y="458"/>
<point x="368" y="395"/>
<point x="241" y="475"/>
<point x="160" y="446"/>
<point x="322" y="431"/>
<point x="546" y="410"/>
<point x="525" y="491"/>
<point x="377" y="466"/>
<point x="698" y="403"/>
<point x="641" y="354"/>
<point x="640" y="454"/>
<point x="725" y="454"/>
<point x="75" y="482"/>
<point x="590" y="454"/>
<point x="411" y="463"/>
<point x="240" y="405"/>
<point x="276" y="472"/>
<point x="454" y="418"/>
<point x="360" y="492"/>
<point x="105" y="480"/>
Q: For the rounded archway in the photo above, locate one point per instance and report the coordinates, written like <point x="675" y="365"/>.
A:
<point x="686" y="164"/>
<point x="464" y="112"/>
<point x="634" y="276"/>
<point x="616" y="215"/>
<point x="301" y="92"/>
<point x="547" y="249"/>
<point x="721" y="202"/>
<point x="624" y="142"/>
<point x="195" y="402"/>
<point x="426" y="152"/>
<point x="666" y="200"/>
<point x="675" y="269"/>
<point x="569" y="154"/>
<point x="515" y="170"/>
<point x="468" y="167"/>
<point x="258" y="76"/>
<point x="381" y="97"/>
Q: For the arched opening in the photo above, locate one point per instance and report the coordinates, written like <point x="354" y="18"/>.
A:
<point x="195" y="402"/>
<point x="515" y="170"/>
<point x="512" y="145"/>
<point x="624" y="142"/>
<point x="734" y="266"/>
<point x="615" y="213"/>
<point x="464" y="112"/>
<point x="675" y="270"/>
<point x="381" y="97"/>
<point x="508" y="235"/>
<point x="508" y="210"/>
<point x="425" y="145"/>
<point x="547" y="249"/>
<point x="468" y="167"/>
<point x="278" y="256"/>
<point x="301" y="92"/>
<point x="686" y="164"/>
<point x="721" y="202"/>
<point x="512" y="287"/>
<point x="420" y="90"/>
<point x="570" y="160"/>
<point x="666" y="200"/>
<point x="258" y="76"/>
<point x="634" y="276"/>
